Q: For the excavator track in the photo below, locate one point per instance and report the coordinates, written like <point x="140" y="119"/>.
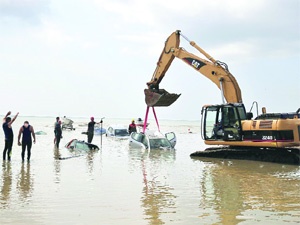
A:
<point x="278" y="155"/>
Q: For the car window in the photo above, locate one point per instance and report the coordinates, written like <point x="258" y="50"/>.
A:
<point x="141" y="137"/>
<point x="121" y="132"/>
<point x="159" y="142"/>
<point x="138" y="136"/>
<point x="170" y="136"/>
<point x="135" y="136"/>
<point x="82" y="146"/>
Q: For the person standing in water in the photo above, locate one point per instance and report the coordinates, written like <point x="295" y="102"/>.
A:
<point x="57" y="132"/>
<point x="9" y="135"/>
<point x="26" y="131"/>
<point x="132" y="127"/>
<point x="90" y="131"/>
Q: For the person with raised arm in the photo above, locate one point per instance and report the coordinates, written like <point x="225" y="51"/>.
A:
<point x="9" y="135"/>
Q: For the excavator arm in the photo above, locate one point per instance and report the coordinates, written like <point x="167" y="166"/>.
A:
<point x="214" y="70"/>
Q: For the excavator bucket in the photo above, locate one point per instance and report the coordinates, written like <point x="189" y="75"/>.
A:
<point x="159" y="97"/>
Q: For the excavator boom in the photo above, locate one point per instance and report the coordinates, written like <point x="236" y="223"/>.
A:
<point x="214" y="70"/>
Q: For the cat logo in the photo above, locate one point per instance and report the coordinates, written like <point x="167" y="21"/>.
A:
<point x="195" y="64"/>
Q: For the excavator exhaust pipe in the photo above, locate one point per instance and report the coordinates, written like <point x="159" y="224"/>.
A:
<point x="159" y="97"/>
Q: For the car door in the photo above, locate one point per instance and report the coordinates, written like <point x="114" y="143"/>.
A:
<point x="171" y="138"/>
<point x="138" y="140"/>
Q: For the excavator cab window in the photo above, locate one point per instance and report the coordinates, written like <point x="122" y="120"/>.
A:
<point x="231" y="123"/>
<point x="223" y="122"/>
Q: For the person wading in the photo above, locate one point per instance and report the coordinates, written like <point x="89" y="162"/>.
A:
<point x="90" y="131"/>
<point x="9" y="135"/>
<point x="26" y="131"/>
<point x="57" y="132"/>
<point x="132" y="127"/>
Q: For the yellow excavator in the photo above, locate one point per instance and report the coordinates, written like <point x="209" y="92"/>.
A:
<point x="226" y="124"/>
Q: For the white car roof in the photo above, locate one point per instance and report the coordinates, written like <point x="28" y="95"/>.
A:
<point x="154" y="134"/>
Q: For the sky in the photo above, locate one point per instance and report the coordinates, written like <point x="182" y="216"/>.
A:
<point x="82" y="58"/>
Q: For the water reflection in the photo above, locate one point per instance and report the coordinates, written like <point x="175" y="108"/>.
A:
<point x="157" y="197"/>
<point x="233" y="187"/>
<point x="6" y="184"/>
<point x="56" y="163"/>
<point x="90" y="160"/>
<point x="158" y="157"/>
<point x="25" y="182"/>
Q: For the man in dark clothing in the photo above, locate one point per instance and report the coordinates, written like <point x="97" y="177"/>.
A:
<point x="26" y="131"/>
<point x="57" y="132"/>
<point x="90" y="131"/>
<point x="9" y="135"/>
<point x="132" y="127"/>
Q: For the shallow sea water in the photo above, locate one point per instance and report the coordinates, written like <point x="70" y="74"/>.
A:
<point x="119" y="185"/>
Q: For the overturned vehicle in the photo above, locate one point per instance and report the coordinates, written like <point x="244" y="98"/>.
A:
<point x="80" y="145"/>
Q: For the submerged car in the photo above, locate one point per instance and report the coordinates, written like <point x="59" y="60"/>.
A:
<point x="152" y="140"/>
<point x="80" y="145"/>
<point x="99" y="131"/>
<point x="117" y="131"/>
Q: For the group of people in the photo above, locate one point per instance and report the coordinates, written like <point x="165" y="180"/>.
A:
<point x="27" y="133"/>
<point x="58" y="130"/>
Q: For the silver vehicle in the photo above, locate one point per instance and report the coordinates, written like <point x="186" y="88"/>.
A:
<point x="80" y="145"/>
<point x="117" y="131"/>
<point x="152" y="140"/>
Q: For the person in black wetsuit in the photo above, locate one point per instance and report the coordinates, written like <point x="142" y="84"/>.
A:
<point x="57" y="132"/>
<point x="26" y="131"/>
<point x="9" y="135"/>
<point x="90" y="131"/>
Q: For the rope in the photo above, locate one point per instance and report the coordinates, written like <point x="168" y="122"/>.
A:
<point x="155" y="118"/>
<point x="146" y="118"/>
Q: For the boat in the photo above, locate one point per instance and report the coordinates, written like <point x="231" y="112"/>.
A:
<point x="67" y="124"/>
<point x="140" y="124"/>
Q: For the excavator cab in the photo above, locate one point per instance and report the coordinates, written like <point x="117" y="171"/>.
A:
<point x="223" y="122"/>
